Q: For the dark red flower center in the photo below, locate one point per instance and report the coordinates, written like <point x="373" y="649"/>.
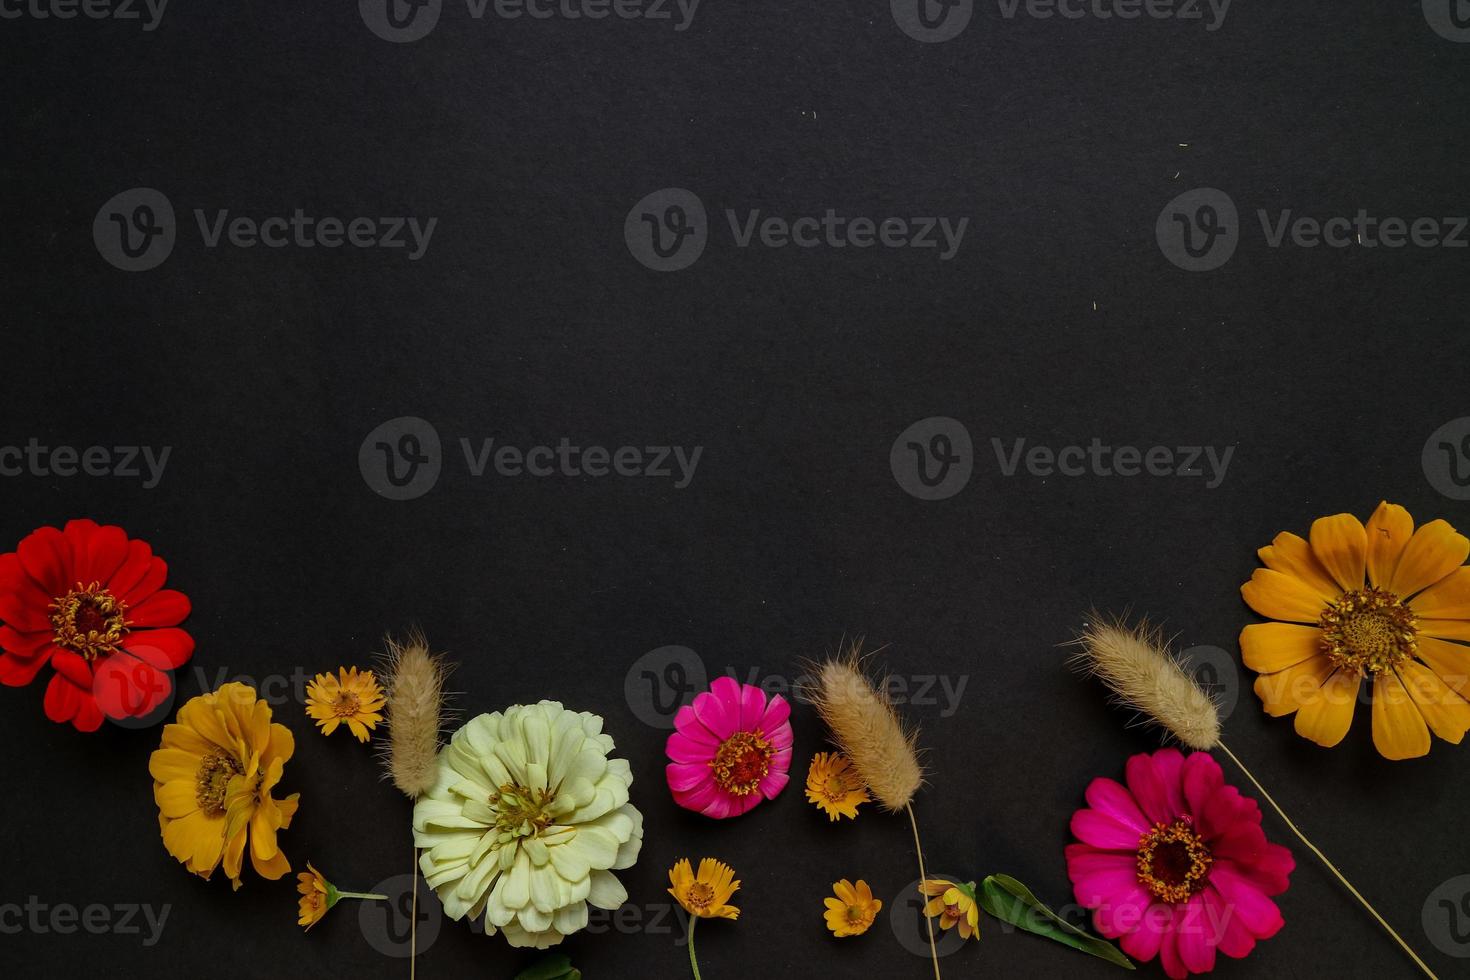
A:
<point x="89" y="620"/>
<point x="742" y="761"/>
<point x="1173" y="861"/>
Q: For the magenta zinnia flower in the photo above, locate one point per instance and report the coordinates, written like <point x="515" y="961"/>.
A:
<point x="730" y="749"/>
<point x="1176" y="863"/>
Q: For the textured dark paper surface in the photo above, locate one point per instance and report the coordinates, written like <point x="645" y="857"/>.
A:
<point x="527" y="320"/>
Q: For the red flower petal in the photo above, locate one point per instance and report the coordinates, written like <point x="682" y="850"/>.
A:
<point x="20" y="671"/>
<point x="96" y="551"/>
<point x="72" y="666"/>
<point x="166" y="608"/>
<point x="132" y="570"/>
<point x="63" y="698"/>
<point x="130" y="688"/>
<point x="163" y="648"/>
<point x="46" y="557"/>
<point x="150" y="582"/>
<point x="89" y="716"/>
<point x="24" y="645"/>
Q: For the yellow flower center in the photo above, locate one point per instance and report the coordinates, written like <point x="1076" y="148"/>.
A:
<point x="212" y="782"/>
<point x="89" y="620"/>
<point x="1173" y="861"/>
<point x="1369" y="631"/>
<point x="701" y="896"/>
<point x="521" y="812"/>
<point x="742" y="761"/>
<point x="346" y="704"/>
<point x="859" y="914"/>
<point x="837" y="787"/>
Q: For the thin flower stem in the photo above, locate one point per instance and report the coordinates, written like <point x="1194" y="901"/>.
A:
<point x="362" y="895"/>
<point x="1330" y="866"/>
<point x="924" y="877"/>
<point x="689" y="941"/>
<point x="413" y="923"/>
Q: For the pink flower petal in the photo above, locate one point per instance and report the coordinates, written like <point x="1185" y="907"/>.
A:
<point x="1143" y="943"/>
<point x="1196" y="935"/>
<point x="682" y="747"/>
<point x="1099" y="830"/>
<point x="1154" y="796"/>
<point x="1169" y="957"/>
<point x="773" y="784"/>
<point x="687" y="723"/>
<point x="752" y="707"/>
<point x="1202" y="779"/>
<point x="717" y="714"/>
<point x="1109" y="797"/>
<point x="1235" y="939"/>
<point x="685" y="777"/>
<point x="780" y="738"/>
<point x="1256" y="912"/>
<point x="777" y="716"/>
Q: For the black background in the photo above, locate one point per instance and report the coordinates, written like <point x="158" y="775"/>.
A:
<point x="528" y="320"/>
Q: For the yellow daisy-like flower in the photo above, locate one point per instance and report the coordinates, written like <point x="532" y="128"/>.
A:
<point x="212" y="780"/>
<point x="954" y="905"/>
<point x="834" y="786"/>
<point x="705" y="895"/>
<point x="853" y="909"/>
<point x="1381" y="603"/>
<point x="318" y="895"/>
<point x="353" y="697"/>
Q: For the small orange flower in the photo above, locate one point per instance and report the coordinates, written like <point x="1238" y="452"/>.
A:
<point x="353" y="697"/>
<point x="853" y="909"/>
<point x="954" y="905"/>
<point x="318" y="895"/>
<point x="834" y="787"/>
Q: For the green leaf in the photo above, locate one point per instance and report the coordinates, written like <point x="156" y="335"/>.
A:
<point x="1010" y="901"/>
<point x="555" y="967"/>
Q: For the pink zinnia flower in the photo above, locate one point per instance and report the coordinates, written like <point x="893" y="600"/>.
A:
<point x="1176" y="863"/>
<point x="730" y="749"/>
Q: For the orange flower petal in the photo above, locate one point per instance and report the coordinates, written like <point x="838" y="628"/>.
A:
<point x="1269" y="647"/>
<point x="1341" y="545"/>
<point x="1448" y="660"/>
<point x="1449" y="629"/>
<point x="1276" y="595"/>
<point x="1399" y="730"/>
<point x="1435" y="550"/>
<point x="1283" y="692"/>
<point x="1389" y="529"/>
<point x="1449" y="598"/>
<point x="1326" y="716"/>
<point x="1291" y="554"/>
<point x="1447" y="714"/>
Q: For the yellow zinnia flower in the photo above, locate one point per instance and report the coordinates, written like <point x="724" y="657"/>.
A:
<point x="954" y="905"/>
<point x="318" y="895"/>
<point x="834" y="786"/>
<point x="853" y="909"/>
<point x="354" y="698"/>
<point x="705" y="895"/>
<point x="213" y="776"/>
<point x="1395" y="630"/>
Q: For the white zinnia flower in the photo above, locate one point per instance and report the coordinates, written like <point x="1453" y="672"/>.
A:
<point x="526" y="822"/>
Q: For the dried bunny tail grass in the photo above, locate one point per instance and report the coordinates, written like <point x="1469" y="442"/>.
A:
<point x="414" y="685"/>
<point x="867" y="729"/>
<point x="1135" y="664"/>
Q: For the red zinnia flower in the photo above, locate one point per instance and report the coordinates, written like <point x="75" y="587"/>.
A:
<point x="1175" y="863"/>
<point x="91" y="601"/>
